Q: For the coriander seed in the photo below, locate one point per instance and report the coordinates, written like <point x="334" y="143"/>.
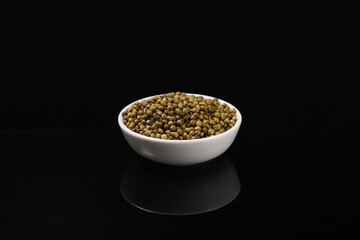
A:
<point x="179" y="116"/>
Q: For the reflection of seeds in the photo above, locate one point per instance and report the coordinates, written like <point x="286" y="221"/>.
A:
<point x="179" y="116"/>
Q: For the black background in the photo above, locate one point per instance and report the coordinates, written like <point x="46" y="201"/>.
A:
<point x="291" y="70"/>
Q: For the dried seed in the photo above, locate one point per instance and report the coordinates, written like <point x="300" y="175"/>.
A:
<point x="177" y="115"/>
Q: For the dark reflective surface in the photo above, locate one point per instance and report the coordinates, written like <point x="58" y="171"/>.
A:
<point x="173" y="190"/>
<point x="57" y="184"/>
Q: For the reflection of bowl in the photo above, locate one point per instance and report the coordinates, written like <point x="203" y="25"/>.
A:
<point x="180" y="152"/>
<point x="180" y="191"/>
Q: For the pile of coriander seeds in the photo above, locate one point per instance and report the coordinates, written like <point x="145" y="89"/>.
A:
<point x="179" y="116"/>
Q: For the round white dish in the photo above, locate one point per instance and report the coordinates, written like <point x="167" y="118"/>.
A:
<point x="180" y="152"/>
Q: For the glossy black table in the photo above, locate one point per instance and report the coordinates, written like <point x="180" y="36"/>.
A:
<point x="90" y="184"/>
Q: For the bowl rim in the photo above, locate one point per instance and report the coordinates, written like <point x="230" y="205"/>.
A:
<point x="147" y="138"/>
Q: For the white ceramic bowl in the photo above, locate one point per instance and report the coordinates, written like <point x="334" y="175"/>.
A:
<point x="180" y="152"/>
